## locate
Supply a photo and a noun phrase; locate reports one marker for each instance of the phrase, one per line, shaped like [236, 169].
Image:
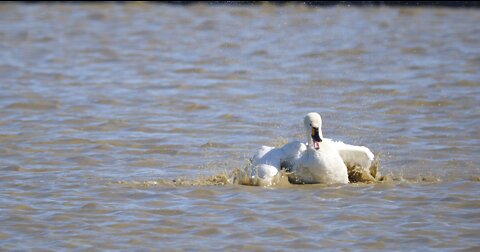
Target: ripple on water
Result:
[166, 212]
[414, 50]
[195, 107]
[35, 105]
[84, 161]
[166, 230]
[468, 83]
[24, 208]
[215, 145]
[192, 70]
[208, 232]
[147, 162]
[425, 103]
[202, 193]
[351, 52]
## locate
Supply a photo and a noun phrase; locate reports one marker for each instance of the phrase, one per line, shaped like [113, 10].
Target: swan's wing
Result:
[260, 153]
[355, 155]
[268, 155]
[292, 152]
[265, 164]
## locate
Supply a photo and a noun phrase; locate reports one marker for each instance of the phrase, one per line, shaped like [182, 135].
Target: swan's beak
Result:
[316, 138]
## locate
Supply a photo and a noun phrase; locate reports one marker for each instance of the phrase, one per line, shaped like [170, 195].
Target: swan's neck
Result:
[309, 139]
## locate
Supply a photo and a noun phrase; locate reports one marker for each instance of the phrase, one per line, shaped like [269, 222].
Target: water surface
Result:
[122, 124]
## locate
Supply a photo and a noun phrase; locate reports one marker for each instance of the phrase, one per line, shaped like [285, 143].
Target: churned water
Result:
[122, 126]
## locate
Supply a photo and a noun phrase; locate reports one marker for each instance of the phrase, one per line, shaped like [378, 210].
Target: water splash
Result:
[241, 176]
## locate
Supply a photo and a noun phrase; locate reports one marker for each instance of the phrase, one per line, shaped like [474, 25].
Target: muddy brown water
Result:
[122, 124]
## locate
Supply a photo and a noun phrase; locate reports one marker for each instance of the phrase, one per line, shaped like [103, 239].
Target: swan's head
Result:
[313, 128]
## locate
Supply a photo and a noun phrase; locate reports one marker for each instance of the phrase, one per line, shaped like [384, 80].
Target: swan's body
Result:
[319, 160]
[323, 165]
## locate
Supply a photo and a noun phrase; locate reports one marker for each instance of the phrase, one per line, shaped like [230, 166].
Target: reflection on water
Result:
[123, 124]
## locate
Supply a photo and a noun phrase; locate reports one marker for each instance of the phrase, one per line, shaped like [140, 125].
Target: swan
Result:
[318, 160]
[321, 162]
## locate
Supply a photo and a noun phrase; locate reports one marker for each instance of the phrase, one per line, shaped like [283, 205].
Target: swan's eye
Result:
[310, 125]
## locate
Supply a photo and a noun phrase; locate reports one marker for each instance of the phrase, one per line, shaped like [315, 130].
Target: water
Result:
[122, 125]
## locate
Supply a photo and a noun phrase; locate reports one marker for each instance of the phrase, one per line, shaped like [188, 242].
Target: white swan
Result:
[320, 160]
